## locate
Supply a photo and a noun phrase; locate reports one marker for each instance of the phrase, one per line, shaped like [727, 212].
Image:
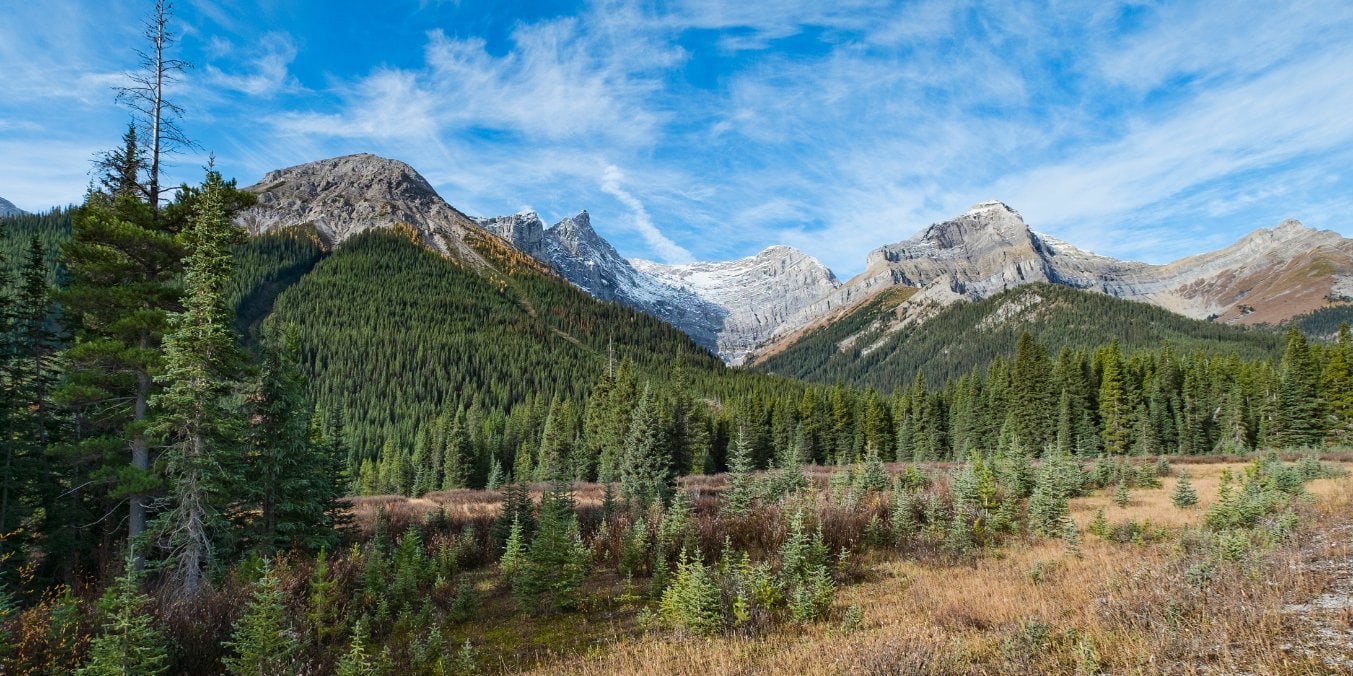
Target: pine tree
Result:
[262, 642]
[1113, 405]
[122, 265]
[201, 368]
[1298, 422]
[557, 561]
[1184, 494]
[644, 478]
[127, 642]
[741, 488]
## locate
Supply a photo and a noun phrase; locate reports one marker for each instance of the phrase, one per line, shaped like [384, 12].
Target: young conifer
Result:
[1184, 494]
[262, 643]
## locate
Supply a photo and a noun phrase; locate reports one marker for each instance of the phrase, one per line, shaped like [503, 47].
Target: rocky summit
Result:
[345, 196]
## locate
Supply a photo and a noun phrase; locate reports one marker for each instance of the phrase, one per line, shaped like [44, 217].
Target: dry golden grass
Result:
[1124, 604]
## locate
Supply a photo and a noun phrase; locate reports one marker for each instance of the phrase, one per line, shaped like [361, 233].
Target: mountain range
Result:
[745, 309]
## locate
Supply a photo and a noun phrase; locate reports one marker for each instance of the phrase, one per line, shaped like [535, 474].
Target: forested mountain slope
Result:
[883, 343]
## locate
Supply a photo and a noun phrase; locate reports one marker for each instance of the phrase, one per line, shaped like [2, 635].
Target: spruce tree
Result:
[557, 562]
[1184, 494]
[1336, 386]
[1121, 497]
[693, 601]
[741, 489]
[262, 643]
[1048, 502]
[644, 478]
[286, 481]
[198, 416]
[1113, 405]
[1299, 420]
[127, 642]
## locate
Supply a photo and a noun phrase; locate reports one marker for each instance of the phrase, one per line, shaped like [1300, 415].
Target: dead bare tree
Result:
[157, 116]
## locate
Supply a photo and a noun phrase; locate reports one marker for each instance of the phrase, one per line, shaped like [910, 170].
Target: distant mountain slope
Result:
[756, 295]
[881, 344]
[7, 208]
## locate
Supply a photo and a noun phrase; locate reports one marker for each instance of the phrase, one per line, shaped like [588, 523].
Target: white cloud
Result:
[267, 76]
[667, 250]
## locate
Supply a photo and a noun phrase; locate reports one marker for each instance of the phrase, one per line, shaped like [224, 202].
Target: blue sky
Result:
[709, 130]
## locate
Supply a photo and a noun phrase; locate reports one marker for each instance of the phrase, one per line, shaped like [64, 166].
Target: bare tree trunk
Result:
[136, 520]
[157, 102]
[193, 521]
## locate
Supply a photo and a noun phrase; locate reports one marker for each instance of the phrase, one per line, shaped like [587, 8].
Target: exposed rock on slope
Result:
[7, 208]
[758, 294]
[587, 260]
[345, 196]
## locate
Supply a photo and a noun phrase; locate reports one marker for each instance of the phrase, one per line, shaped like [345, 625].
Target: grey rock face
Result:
[7, 208]
[587, 260]
[758, 294]
[346, 196]
[524, 231]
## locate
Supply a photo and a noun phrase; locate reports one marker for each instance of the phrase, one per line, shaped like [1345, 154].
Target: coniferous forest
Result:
[268, 455]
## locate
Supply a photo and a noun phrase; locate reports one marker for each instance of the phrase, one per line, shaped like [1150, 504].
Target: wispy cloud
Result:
[266, 73]
[667, 250]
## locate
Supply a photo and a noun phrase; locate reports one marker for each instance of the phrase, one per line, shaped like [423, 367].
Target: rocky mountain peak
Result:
[7, 208]
[523, 230]
[345, 196]
[986, 223]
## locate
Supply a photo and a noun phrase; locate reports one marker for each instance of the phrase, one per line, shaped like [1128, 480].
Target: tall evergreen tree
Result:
[1337, 388]
[1298, 420]
[198, 415]
[122, 267]
[1114, 413]
[644, 477]
[556, 562]
[287, 490]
